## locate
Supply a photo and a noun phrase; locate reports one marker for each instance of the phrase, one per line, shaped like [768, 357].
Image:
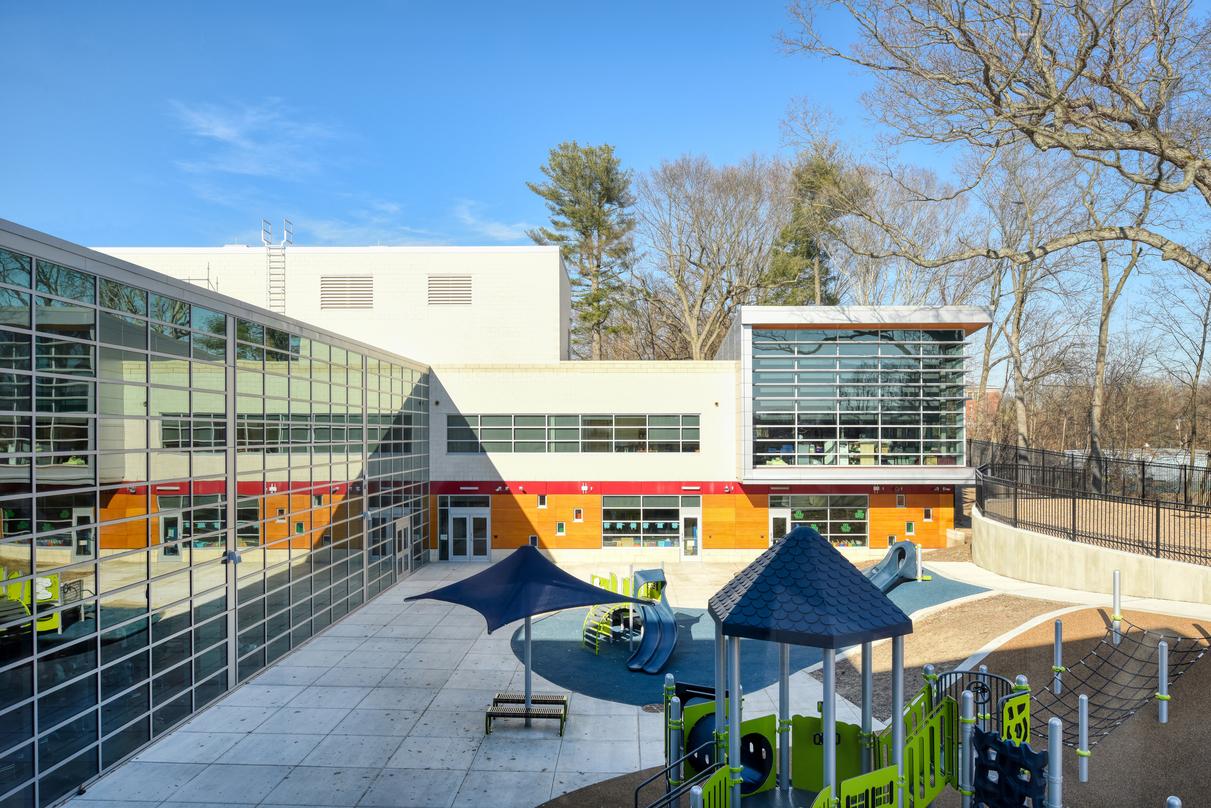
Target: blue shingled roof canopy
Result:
[802, 591]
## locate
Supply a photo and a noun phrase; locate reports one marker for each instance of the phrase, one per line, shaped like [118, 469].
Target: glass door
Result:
[779, 523]
[691, 542]
[469, 535]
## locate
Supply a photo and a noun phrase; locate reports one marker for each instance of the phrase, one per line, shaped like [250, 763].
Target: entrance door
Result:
[779, 523]
[691, 541]
[469, 535]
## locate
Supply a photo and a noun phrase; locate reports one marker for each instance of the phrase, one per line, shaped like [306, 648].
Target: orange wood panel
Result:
[735, 521]
[516, 517]
[887, 520]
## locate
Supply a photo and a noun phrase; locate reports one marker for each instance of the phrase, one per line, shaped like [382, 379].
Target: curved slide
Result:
[659, 627]
[897, 567]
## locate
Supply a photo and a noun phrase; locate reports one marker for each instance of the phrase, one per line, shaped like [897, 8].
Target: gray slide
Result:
[897, 567]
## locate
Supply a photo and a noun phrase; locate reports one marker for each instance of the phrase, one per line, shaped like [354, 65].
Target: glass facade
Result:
[858, 397]
[645, 521]
[185, 495]
[476, 434]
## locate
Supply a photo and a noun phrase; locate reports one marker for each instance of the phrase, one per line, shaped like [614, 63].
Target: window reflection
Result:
[114, 598]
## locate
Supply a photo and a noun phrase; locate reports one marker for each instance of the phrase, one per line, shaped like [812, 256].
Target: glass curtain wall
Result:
[858, 398]
[184, 496]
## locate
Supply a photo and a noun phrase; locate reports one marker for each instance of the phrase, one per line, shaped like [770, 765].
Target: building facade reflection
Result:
[189, 487]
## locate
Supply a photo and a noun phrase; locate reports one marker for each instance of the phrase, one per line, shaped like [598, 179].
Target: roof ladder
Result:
[275, 264]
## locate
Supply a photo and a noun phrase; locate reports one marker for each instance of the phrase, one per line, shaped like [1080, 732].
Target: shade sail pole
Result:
[529, 696]
[733, 735]
[830, 720]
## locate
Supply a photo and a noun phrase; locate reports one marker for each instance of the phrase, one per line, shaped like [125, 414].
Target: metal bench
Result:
[550, 711]
[511, 697]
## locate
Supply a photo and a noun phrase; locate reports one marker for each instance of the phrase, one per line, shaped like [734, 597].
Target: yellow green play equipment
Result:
[653, 622]
[30, 596]
[803, 592]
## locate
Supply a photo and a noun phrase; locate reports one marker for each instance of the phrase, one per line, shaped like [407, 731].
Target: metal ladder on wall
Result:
[275, 264]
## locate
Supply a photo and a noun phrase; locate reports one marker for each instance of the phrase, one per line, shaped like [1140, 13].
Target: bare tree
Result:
[1116, 263]
[1180, 314]
[1121, 84]
[709, 234]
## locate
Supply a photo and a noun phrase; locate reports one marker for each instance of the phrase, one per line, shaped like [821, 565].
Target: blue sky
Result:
[370, 122]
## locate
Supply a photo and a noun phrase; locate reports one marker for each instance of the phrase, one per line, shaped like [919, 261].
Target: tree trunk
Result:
[816, 276]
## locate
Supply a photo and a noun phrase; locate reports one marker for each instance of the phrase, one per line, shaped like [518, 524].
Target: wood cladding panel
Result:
[887, 520]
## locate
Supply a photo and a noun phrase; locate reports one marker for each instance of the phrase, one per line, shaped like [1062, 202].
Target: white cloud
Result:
[265, 140]
[378, 222]
[466, 212]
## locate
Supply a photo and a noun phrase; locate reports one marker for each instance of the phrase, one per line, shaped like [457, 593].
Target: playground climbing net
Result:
[1119, 678]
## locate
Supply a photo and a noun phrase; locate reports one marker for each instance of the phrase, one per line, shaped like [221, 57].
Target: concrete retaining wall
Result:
[1038, 558]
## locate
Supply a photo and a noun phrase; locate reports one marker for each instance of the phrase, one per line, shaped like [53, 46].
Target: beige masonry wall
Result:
[1035, 557]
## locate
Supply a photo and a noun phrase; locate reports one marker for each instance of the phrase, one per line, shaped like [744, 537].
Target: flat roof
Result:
[968, 318]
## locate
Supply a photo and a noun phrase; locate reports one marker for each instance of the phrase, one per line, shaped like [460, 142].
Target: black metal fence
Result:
[1047, 501]
[1136, 478]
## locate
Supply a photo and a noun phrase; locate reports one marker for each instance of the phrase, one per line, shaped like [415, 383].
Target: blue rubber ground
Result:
[560, 658]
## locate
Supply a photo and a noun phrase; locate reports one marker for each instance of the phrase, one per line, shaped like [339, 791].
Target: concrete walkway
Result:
[386, 708]
[970, 573]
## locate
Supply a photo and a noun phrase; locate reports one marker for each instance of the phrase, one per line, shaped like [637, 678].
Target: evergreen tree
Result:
[800, 272]
[589, 197]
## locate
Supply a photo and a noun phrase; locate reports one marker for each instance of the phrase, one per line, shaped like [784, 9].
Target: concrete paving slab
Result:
[316, 785]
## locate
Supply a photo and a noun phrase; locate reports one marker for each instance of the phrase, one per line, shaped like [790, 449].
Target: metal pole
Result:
[868, 708]
[696, 797]
[983, 719]
[1057, 659]
[897, 714]
[529, 669]
[967, 722]
[1055, 764]
[784, 716]
[1162, 682]
[829, 730]
[720, 690]
[675, 726]
[1082, 744]
[1173, 802]
[733, 735]
[631, 614]
[1116, 608]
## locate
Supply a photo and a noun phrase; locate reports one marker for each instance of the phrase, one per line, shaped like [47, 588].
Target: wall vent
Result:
[346, 291]
[449, 290]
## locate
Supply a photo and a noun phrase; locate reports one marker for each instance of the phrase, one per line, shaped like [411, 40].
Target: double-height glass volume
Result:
[841, 397]
[187, 491]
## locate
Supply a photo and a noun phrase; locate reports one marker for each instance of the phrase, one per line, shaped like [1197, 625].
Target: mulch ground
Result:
[618, 792]
[945, 639]
[1141, 762]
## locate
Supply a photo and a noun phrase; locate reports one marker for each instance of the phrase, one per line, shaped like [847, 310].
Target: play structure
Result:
[652, 622]
[901, 564]
[969, 730]
[655, 625]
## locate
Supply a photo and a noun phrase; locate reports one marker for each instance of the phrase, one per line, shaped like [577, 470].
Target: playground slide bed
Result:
[944, 638]
[1141, 762]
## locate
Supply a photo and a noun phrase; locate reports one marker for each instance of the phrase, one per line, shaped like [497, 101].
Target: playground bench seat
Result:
[553, 712]
[512, 697]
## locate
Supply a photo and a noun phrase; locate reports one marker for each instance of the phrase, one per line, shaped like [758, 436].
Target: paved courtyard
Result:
[386, 708]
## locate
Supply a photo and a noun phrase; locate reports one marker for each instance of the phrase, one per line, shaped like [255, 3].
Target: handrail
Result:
[678, 762]
[684, 788]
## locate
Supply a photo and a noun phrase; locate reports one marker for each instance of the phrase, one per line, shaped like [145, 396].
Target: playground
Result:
[1005, 705]
[387, 707]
